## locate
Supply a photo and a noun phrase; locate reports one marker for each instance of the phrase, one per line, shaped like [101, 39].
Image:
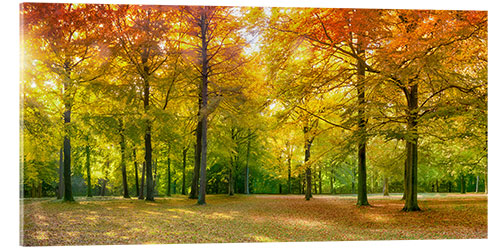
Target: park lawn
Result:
[253, 218]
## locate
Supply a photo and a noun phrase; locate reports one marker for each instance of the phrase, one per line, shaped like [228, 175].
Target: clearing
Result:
[253, 218]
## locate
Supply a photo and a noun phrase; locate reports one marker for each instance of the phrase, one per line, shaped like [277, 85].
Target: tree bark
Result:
[486, 182]
[230, 183]
[360, 86]
[147, 141]
[155, 177]
[122, 160]
[193, 194]
[412, 154]
[301, 190]
[68, 194]
[141, 193]
[184, 154]
[60, 192]
[169, 176]
[386, 186]
[87, 167]
[308, 168]
[462, 184]
[477, 183]
[204, 110]
[136, 173]
[289, 173]
[247, 170]
[405, 177]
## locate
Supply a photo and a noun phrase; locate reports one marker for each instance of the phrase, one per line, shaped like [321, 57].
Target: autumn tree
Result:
[214, 51]
[68, 36]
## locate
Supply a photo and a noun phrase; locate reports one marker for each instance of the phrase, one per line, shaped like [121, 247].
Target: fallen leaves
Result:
[254, 218]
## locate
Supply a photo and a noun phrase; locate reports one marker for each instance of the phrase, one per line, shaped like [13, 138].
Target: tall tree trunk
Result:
[477, 183]
[195, 182]
[437, 186]
[405, 177]
[360, 86]
[247, 170]
[462, 184]
[87, 167]
[308, 168]
[103, 187]
[289, 174]
[136, 173]
[141, 193]
[68, 194]
[230, 183]
[122, 160]
[155, 168]
[169, 176]
[386, 186]
[147, 138]
[60, 192]
[300, 184]
[204, 110]
[412, 154]
[184, 154]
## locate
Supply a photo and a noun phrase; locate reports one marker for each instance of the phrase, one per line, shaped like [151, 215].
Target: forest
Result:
[180, 102]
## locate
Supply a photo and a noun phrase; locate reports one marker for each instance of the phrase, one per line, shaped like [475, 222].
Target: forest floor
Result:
[253, 218]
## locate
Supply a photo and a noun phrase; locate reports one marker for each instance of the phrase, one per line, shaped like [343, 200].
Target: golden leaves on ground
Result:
[255, 218]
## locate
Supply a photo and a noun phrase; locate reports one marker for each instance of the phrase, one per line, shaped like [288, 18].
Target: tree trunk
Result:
[230, 183]
[247, 170]
[437, 186]
[122, 160]
[477, 183]
[136, 173]
[184, 153]
[169, 177]
[204, 110]
[386, 186]
[360, 86]
[155, 168]
[308, 168]
[60, 192]
[87, 167]
[405, 177]
[462, 184]
[301, 190]
[68, 194]
[141, 193]
[289, 174]
[193, 194]
[147, 139]
[412, 154]
[486, 182]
